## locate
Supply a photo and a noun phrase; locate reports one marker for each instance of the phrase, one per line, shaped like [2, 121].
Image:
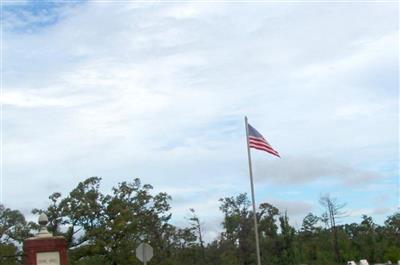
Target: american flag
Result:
[257, 141]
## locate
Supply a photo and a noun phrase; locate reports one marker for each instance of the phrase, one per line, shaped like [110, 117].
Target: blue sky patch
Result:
[34, 15]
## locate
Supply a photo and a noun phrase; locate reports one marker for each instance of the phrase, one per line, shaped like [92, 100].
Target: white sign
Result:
[144, 252]
[48, 258]
[364, 262]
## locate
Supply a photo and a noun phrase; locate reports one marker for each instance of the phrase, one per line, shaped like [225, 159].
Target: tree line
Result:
[105, 229]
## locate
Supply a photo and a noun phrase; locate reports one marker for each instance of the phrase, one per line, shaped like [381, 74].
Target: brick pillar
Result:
[44, 248]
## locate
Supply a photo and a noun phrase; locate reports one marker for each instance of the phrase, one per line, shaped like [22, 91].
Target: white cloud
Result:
[293, 208]
[303, 170]
[377, 212]
[159, 91]
[192, 10]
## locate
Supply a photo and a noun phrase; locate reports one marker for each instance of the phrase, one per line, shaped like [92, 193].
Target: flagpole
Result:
[252, 193]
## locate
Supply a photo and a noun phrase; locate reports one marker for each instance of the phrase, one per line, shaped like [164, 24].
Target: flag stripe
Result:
[260, 142]
[257, 141]
[262, 145]
[265, 148]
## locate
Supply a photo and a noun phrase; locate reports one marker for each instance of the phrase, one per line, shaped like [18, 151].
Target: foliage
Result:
[105, 229]
[13, 230]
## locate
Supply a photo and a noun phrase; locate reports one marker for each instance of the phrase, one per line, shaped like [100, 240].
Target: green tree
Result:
[392, 234]
[238, 227]
[307, 239]
[197, 227]
[105, 229]
[267, 217]
[13, 230]
[309, 225]
[109, 227]
[238, 236]
[333, 212]
[287, 239]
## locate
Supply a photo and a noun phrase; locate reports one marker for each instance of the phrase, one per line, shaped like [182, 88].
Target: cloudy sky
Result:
[160, 90]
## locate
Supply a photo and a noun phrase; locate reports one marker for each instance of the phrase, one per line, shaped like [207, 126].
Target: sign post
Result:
[144, 252]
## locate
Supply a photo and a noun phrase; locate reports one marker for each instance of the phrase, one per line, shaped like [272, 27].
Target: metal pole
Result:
[252, 193]
[144, 255]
